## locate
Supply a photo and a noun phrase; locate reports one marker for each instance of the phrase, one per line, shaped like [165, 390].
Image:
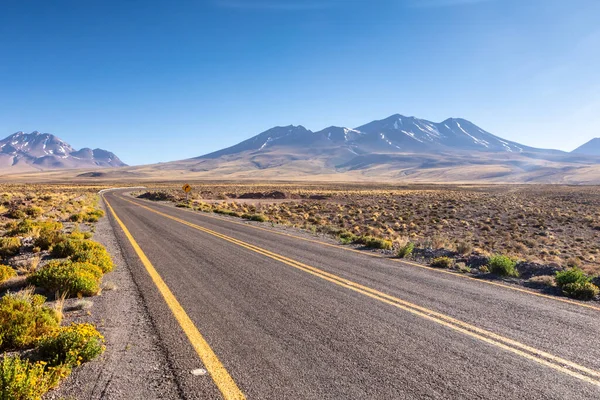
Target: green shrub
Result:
[255, 217]
[68, 278]
[503, 265]
[84, 251]
[6, 273]
[23, 227]
[50, 234]
[571, 275]
[581, 291]
[442, 262]
[93, 216]
[78, 217]
[9, 246]
[375, 243]
[24, 320]
[21, 379]
[15, 213]
[406, 250]
[347, 237]
[33, 211]
[225, 211]
[576, 284]
[72, 345]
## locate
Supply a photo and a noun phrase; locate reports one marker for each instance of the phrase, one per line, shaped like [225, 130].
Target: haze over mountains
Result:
[42, 151]
[590, 148]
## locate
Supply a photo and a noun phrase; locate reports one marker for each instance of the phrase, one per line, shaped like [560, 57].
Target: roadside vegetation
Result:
[46, 257]
[524, 234]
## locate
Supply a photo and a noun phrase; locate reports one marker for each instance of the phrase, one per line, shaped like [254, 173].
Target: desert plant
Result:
[72, 345]
[464, 248]
[406, 250]
[33, 211]
[24, 320]
[9, 246]
[571, 275]
[581, 291]
[84, 251]
[255, 217]
[503, 265]
[442, 262]
[68, 278]
[374, 243]
[6, 273]
[346, 237]
[21, 379]
[50, 233]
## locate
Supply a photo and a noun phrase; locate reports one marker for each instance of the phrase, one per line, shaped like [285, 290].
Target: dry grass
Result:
[545, 224]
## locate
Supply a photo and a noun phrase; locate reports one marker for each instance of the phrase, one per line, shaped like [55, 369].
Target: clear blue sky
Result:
[161, 80]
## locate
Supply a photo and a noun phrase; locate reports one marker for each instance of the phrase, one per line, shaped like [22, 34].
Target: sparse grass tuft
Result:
[375, 243]
[442, 262]
[9, 246]
[406, 250]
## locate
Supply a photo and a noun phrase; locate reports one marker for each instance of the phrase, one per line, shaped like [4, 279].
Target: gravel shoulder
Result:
[135, 365]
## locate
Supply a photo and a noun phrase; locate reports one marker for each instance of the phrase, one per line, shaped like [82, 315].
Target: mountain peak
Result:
[591, 148]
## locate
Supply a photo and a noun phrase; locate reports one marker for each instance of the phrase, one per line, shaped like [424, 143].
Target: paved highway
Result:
[272, 316]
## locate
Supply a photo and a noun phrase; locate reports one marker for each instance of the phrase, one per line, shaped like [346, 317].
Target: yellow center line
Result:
[403, 262]
[502, 342]
[215, 368]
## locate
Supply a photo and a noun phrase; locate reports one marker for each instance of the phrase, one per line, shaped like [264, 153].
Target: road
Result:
[272, 316]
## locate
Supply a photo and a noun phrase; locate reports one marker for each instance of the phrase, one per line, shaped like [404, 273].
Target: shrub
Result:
[406, 250]
[20, 379]
[581, 291]
[225, 211]
[15, 213]
[24, 320]
[375, 243]
[442, 262]
[576, 284]
[6, 273]
[9, 246]
[484, 269]
[78, 217]
[93, 216]
[68, 278]
[347, 237]
[72, 345]
[23, 227]
[571, 275]
[255, 217]
[503, 265]
[50, 233]
[33, 211]
[84, 251]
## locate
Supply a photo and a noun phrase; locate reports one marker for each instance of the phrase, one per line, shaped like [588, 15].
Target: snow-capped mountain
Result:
[591, 148]
[395, 134]
[37, 150]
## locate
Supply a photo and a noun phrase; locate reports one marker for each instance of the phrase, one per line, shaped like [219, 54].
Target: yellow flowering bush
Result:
[68, 277]
[24, 319]
[84, 251]
[6, 273]
[72, 345]
[20, 379]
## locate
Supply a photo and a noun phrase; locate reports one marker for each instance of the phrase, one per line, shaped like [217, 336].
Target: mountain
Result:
[591, 148]
[395, 134]
[40, 151]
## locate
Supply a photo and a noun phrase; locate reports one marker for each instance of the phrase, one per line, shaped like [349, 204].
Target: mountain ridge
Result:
[42, 151]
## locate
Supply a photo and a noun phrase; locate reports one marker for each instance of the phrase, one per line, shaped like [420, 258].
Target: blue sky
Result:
[165, 80]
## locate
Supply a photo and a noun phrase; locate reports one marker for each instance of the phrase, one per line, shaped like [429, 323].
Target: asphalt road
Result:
[285, 318]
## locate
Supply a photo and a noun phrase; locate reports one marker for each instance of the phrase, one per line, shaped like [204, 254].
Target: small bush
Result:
[571, 275]
[78, 217]
[9, 246]
[503, 266]
[442, 262]
[6, 273]
[255, 217]
[484, 269]
[93, 216]
[24, 320]
[15, 213]
[68, 278]
[23, 227]
[72, 345]
[33, 211]
[375, 243]
[84, 251]
[576, 284]
[183, 205]
[581, 291]
[50, 233]
[20, 379]
[406, 250]
[347, 237]
[225, 211]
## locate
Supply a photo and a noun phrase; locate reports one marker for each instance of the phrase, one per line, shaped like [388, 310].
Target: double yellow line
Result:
[549, 360]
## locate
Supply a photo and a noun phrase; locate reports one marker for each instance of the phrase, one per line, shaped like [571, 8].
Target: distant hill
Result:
[396, 148]
[42, 151]
[591, 148]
